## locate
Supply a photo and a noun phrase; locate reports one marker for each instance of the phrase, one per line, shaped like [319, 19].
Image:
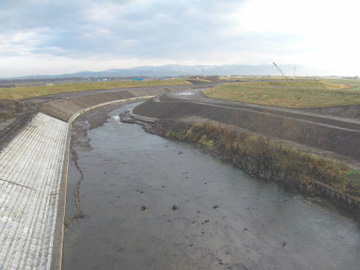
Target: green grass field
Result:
[292, 94]
[34, 91]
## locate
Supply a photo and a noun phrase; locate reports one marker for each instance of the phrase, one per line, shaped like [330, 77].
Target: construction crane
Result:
[281, 71]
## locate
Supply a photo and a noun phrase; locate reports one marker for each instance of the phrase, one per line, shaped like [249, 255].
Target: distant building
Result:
[138, 79]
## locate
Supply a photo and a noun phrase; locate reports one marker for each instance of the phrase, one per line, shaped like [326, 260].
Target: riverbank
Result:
[268, 159]
[333, 134]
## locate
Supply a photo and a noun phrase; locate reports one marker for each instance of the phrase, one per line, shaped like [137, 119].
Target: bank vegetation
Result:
[270, 159]
[35, 91]
[291, 94]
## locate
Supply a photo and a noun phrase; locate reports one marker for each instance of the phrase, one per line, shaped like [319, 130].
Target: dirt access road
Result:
[336, 134]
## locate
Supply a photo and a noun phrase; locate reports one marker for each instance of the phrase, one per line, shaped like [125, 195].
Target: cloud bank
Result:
[48, 37]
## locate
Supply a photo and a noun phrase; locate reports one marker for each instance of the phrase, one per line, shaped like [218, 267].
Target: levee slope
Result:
[30, 175]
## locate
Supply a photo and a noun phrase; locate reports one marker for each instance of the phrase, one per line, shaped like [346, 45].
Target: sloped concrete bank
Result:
[30, 176]
[11, 130]
[66, 107]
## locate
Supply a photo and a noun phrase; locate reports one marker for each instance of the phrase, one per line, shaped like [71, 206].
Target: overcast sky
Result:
[65, 36]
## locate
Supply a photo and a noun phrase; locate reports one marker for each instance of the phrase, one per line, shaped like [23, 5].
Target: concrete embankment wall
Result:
[30, 176]
[316, 134]
[66, 108]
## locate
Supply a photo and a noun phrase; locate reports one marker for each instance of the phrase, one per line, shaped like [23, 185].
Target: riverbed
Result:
[151, 203]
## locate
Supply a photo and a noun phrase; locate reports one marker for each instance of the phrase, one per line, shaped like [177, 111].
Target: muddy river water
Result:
[151, 203]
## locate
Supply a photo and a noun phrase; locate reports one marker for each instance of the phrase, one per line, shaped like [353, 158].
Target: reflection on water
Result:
[223, 219]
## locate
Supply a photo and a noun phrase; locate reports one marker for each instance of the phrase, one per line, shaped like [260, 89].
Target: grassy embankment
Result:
[292, 94]
[270, 159]
[34, 91]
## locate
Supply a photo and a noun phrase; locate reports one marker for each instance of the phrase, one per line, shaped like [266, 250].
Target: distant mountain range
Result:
[182, 70]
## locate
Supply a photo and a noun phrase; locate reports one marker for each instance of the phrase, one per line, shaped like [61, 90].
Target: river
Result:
[151, 203]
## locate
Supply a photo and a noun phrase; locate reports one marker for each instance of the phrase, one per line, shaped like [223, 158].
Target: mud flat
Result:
[159, 204]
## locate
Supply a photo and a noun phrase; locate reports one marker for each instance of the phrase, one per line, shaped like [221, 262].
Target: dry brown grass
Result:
[294, 165]
[34, 91]
[293, 94]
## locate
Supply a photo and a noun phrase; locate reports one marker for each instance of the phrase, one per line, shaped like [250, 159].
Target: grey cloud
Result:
[153, 29]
